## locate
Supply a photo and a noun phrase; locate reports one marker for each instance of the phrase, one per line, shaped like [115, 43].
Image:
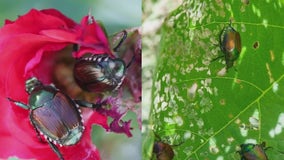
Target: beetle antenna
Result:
[17, 103]
[10, 99]
[281, 152]
[157, 137]
[230, 23]
[119, 44]
[75, 47]
[176, 145]
[89, 105]
[132, 59]
[121, 41]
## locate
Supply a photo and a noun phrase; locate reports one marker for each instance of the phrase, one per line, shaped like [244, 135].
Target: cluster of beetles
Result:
[230, 45]
[57, 117]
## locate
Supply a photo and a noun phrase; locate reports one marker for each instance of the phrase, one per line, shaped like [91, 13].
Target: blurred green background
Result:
[116, 16]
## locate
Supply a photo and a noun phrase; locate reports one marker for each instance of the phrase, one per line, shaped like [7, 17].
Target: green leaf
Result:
[195, 101]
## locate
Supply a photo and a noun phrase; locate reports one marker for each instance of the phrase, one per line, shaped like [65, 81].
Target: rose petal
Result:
[28, 47]
[33, 22]
[69, 22]
[26, 52]
[92, 32]
[13, 78]
[116, 112]
[95, 118]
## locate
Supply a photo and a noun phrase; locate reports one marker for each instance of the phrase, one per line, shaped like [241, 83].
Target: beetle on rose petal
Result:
[100, 72]
[54, 114]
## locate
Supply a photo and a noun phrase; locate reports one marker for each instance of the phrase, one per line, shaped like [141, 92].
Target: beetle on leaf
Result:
[230, 45]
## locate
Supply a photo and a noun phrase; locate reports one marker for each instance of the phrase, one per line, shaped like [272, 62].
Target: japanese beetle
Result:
[230, 45]
[163, 151]
[251, 151]
[54, 114]
[100, 72]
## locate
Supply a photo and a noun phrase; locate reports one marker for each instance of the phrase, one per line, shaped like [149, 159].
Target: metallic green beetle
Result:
[251, 151]
[230, 45]
[54, 114]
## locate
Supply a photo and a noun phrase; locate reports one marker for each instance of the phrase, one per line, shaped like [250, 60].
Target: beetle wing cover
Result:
[238, 42]
[99, 76]
[163, 151]
[57, 117]
[88, 71]
[254, 152]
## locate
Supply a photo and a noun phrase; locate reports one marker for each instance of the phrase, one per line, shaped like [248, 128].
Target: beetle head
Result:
[31, 84]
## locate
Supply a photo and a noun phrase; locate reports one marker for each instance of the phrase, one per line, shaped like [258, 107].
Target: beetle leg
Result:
[176, 145]
[236, 70]
[75, 47]
[263, 144]
[53, 86]
[132, 59]
[119, 44]
[20, 104]
[87, 104]
[121, 41]
[56, 150]
[217, 58]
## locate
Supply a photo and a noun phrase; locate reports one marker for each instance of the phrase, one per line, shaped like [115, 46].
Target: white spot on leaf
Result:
[275, 87]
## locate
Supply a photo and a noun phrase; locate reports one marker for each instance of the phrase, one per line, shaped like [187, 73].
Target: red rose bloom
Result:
[30, 47]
